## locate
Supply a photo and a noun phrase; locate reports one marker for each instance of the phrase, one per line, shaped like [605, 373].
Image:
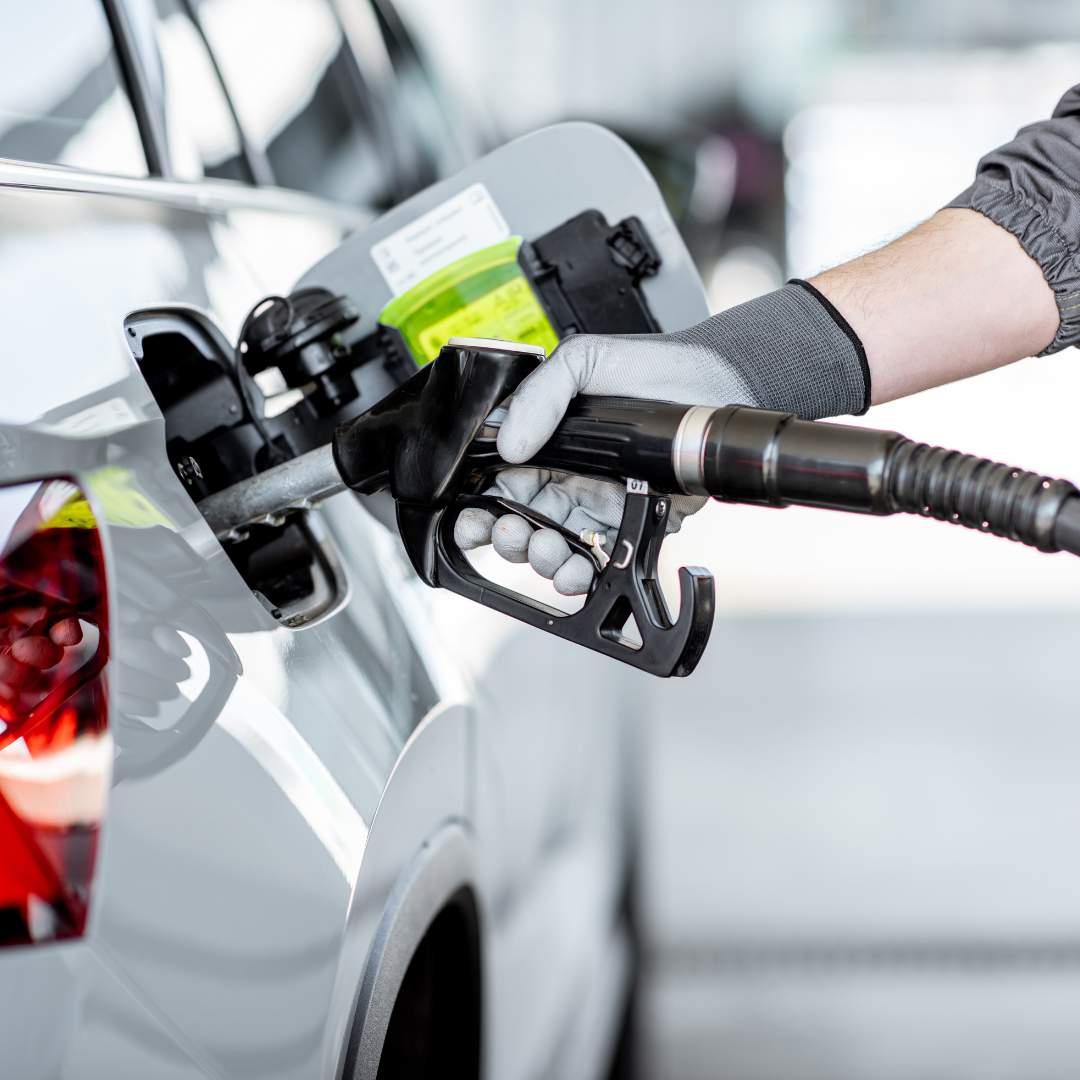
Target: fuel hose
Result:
[433, 443]
[734, 454]
[766, 458]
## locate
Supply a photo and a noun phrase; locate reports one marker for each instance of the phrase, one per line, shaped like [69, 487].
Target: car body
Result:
[395, 831]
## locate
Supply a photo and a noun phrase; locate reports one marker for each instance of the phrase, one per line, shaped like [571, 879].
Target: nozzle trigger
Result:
[625, 587]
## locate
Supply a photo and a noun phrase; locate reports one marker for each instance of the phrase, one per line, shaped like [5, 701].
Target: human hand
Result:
[784, 350]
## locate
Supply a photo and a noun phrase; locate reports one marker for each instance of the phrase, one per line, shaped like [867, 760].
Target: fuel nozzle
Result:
[432, 443]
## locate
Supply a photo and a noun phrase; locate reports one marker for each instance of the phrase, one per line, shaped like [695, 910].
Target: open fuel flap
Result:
[560, 232]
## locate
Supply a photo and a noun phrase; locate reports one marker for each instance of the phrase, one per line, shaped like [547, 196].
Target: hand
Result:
[579, 503]
[674, 367]
[783, 351]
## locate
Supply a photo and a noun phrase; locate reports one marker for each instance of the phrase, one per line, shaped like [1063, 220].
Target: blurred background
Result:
[861, 817]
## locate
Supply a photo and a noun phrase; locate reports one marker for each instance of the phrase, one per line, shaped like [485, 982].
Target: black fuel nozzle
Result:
[430, 442]
[440, 455]
[416, 439]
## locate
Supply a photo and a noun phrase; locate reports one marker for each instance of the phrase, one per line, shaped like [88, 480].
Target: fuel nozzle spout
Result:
[413, 442]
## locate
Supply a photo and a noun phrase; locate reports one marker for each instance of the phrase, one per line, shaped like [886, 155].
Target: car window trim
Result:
[257, 162]
[205, 196]
[149, 120]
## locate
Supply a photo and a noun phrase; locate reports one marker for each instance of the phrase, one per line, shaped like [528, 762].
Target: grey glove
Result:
[788, 350]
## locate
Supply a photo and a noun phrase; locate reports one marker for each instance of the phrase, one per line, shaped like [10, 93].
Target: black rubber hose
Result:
[1067, 526]
[977, 493]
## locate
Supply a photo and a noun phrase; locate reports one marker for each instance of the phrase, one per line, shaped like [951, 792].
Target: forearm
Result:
[993, 278]
[954, 297]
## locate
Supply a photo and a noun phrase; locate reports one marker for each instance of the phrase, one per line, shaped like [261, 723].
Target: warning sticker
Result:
[461, 225]
[510, 312]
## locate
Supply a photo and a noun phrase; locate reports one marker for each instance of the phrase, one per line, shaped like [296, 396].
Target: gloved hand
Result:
[787, 350]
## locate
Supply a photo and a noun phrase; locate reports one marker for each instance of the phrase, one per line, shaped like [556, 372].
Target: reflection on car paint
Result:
[55, 748]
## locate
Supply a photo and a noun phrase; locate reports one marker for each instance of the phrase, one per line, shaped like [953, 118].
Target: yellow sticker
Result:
[74, 514]
[120, 501]
[510, 311]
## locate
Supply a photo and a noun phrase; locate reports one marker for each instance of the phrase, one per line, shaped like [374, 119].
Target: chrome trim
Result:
[497, 343]
[627, 556]
[265, 499]
[204, 195]
[688, 449]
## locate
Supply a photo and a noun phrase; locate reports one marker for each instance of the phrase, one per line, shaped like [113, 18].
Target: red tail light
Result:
[55, 752]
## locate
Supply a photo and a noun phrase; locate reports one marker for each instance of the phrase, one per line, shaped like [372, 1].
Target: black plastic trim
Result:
[439, 877]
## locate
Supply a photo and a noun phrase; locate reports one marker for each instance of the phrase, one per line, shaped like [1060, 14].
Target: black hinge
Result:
[632, 249]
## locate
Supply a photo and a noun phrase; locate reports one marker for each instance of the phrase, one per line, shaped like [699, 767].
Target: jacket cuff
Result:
[1043, 240]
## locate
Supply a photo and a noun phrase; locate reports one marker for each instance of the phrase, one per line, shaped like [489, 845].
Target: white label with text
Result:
[458, 227]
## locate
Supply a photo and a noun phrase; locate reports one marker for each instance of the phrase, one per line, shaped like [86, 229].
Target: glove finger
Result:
[510, 538]
[580, 520]
[574, 576]
[473, 528]
[539, 403]
[521, 485]
[604, 502]
[548, 550]
[601, 499]
[550, 554]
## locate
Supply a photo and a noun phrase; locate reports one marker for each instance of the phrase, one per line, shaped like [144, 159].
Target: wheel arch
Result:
[433, 907]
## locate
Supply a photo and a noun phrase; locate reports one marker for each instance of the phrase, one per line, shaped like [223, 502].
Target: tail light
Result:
[55, 751]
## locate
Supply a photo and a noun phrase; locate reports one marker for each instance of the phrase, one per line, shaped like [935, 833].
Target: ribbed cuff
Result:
[1043, 240]
[794, 351]
[849, 333]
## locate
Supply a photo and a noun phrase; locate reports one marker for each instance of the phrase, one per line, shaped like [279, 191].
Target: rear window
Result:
[62, 98]
[299, 94]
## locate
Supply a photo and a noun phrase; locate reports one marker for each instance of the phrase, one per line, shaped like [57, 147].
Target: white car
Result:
[278, 812]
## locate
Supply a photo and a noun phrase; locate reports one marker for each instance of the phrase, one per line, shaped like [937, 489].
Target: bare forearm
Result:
[954, 297]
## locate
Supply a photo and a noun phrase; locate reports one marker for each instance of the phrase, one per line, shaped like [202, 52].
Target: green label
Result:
[510, 311]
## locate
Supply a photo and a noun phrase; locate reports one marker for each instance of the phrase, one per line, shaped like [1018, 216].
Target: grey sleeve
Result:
[1031, 186]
